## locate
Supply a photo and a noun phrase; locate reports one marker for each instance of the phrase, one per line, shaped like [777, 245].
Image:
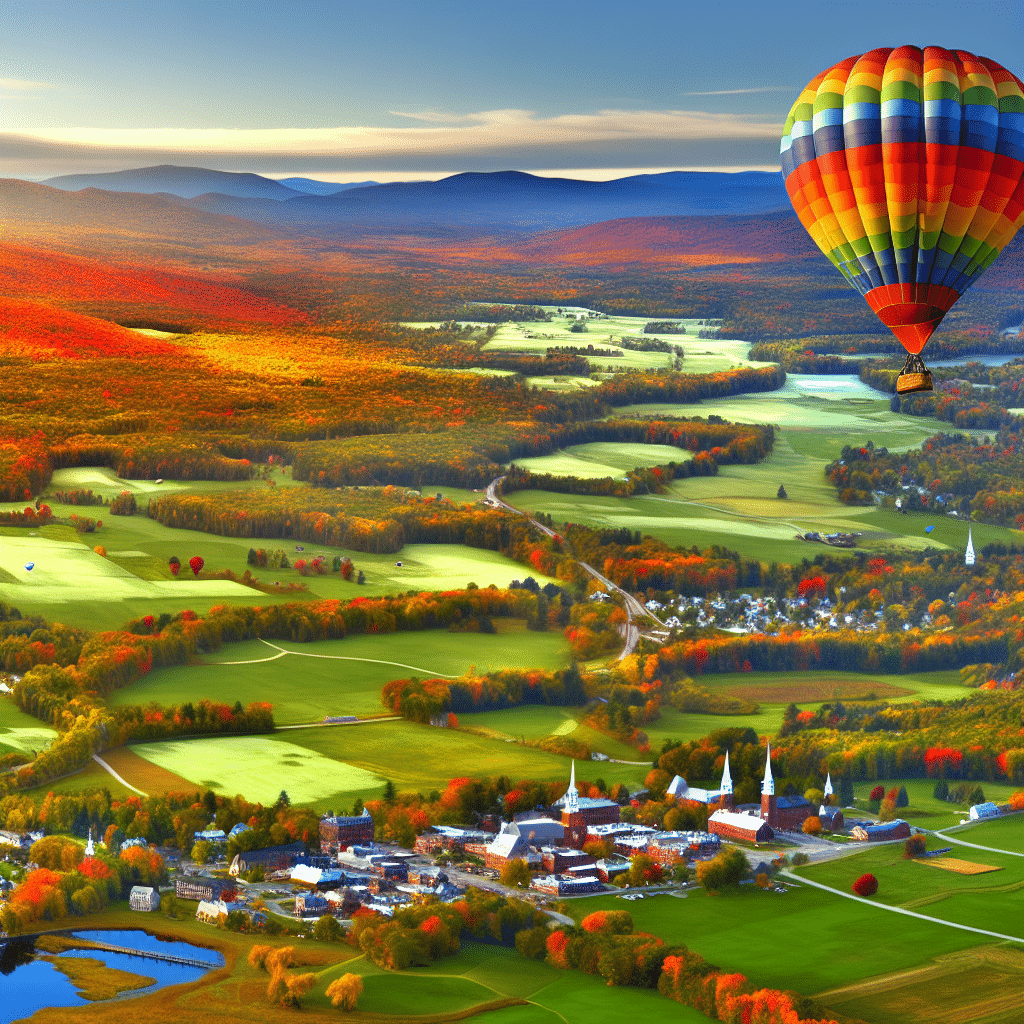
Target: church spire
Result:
[572, 795]
[969, 554]
[828, 791]
[726, 786]
[768, 785]
[90, 849]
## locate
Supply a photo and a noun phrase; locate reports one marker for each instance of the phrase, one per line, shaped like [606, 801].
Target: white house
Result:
[142, 897]
[985, 810]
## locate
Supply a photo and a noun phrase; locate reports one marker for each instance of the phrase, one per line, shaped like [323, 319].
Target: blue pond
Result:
[27, 985]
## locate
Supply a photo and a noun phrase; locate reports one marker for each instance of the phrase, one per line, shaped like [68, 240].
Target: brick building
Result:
[881, 833]
[557, 860]
[786, 812]
[566, 885]
[509, 844]
[579, 812]
[339, 833]
[747, 827]
[270, 858]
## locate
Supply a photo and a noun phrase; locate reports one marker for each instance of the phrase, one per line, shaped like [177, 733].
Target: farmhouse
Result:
[143, 897]
[201, 887]
[339, 832]
[898, 829]
[985, 810]
[578, 812]
[747, 827]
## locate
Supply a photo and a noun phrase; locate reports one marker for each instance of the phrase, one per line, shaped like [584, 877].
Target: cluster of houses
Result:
[749, 614]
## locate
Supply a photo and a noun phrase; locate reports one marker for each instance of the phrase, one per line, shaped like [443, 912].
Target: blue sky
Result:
[391, 89]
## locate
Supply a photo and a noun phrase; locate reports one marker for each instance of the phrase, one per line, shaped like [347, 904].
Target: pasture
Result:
[258, 767]
[20, 732]
[1003, 833]
[993, 901]
[69, 582]
[601, 459]
[342, 677]
[829, 940]
[928, 812]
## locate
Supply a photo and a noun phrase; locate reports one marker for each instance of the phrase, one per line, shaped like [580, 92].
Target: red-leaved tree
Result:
[866, 885]
[196, 563]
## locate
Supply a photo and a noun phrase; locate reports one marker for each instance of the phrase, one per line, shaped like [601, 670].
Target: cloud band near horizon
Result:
[487, 140]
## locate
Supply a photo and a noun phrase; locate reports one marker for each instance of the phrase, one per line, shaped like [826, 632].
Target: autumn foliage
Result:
[866, 885]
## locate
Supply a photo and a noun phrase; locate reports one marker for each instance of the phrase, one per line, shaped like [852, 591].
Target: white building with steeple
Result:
[969, 553]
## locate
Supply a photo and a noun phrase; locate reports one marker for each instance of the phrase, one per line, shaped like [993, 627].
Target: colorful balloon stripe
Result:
[906, 167]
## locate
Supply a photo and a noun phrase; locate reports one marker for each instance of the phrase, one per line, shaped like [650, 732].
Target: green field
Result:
[603, 458]
[993, 901]
[1002, 833]
[926, 811]
[342, 677]
[19, 731]
[828, 940]
[481, 973]
[259, 767]
[70, 583]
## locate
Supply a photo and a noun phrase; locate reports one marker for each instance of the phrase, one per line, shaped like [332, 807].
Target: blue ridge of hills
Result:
[513, 201]
[321, 188]
[479, 202]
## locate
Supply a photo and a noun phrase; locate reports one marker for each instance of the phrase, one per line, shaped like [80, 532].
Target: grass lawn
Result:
[309, 684]
[993, 900]
[1001, 833]
[21, 732]
[928, 812]
[70, 583]
[603, 458]
[259, 767]
[828, 941]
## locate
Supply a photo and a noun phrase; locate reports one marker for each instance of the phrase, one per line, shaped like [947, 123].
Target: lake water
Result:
[27, 985]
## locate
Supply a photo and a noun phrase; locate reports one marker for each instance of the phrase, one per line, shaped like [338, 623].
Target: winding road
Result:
[632, 606]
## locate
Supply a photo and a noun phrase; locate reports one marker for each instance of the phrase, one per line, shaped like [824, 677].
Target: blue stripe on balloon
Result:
[943, 131]
[942, 261]
[829, 139]
[862, 133]
[887, 266]
[803, 150]
[860, 112]
[925, 263]
[906, 264]
[901, 108]
[801, 128]
[901, 129]
[942, 108]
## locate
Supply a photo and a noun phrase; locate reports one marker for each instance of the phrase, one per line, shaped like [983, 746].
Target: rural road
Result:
[632, 605]
[106, 767]
[801, 880]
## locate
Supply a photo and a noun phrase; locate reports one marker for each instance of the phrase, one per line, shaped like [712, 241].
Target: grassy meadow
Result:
[21, 732]
[342, 677]
[601, 459]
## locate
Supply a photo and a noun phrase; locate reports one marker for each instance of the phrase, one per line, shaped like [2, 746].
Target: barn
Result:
[881, 833]
[985, 810]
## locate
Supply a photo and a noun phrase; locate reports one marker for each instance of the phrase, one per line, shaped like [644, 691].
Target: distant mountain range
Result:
[505, 202]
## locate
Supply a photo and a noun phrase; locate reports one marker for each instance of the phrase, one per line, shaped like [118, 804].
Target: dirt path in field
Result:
[340, 657]
[801, 879]
[106, 767]
[974, 846]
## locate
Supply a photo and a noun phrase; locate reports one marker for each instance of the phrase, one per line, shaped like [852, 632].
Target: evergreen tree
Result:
[902, 798]
[941, 791]
[782, 491]
[846, 789]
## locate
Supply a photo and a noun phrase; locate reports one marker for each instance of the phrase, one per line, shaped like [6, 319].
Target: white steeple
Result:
[572, 795]
[827, 791]
[969, 554]
[90, 850]
[768, 785]
[726, 786]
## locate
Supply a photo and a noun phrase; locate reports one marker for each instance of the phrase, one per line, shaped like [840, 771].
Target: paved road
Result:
[801, 880]
[632, 606]
[947, 838]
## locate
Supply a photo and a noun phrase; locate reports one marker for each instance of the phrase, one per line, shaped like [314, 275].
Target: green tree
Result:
[327, 929]
[781, 493]
[727, 868]
[201, 851]
[516, 872]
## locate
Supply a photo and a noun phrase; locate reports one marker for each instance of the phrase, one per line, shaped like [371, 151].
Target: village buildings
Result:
[340, 832]
[143, 898]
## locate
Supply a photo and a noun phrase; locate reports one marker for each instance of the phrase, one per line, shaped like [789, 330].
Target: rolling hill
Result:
[186, 182]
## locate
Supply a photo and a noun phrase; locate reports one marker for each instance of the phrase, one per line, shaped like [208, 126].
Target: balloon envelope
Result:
[928, 529]
[29, 566]
[905, 166]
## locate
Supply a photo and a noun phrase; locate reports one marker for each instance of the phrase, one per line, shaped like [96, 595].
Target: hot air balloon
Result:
[905, 166]
[29, 566]
[928, 529]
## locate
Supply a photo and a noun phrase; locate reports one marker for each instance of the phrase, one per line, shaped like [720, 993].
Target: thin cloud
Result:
[740, 92]
[477, 132]
[21, 85]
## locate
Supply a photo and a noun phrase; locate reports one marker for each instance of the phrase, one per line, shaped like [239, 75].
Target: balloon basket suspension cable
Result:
[914, 376]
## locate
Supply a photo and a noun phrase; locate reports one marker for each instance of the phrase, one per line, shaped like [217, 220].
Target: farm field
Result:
[482, 973]
[739, 509]
[21, 732]
[420, 758]
[814, 688]
[830, 941]
[1003, 833]
[926, 811]
[603, 458]
[342, 677]
[72, 584]
[993, 901]
[259, 767]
